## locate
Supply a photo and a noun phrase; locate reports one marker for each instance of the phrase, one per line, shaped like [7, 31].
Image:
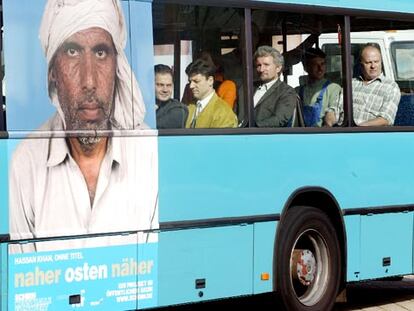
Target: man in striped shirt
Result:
[375, 97]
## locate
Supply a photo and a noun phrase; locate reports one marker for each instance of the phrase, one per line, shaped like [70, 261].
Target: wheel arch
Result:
[324, 200]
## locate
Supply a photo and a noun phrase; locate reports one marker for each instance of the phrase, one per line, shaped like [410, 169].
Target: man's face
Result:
[371, 63]
[316, 68]
[200, 85]
[84, 72]
[163, 86]
[267, 69]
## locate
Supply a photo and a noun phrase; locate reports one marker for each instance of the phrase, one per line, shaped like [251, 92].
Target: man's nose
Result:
[88, 72]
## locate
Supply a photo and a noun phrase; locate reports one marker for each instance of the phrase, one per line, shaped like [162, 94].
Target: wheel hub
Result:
[303, 266]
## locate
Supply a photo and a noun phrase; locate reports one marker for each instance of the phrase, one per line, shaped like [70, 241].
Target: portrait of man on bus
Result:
[94, 170]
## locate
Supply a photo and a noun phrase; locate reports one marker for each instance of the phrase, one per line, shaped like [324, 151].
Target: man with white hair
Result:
[86, 179]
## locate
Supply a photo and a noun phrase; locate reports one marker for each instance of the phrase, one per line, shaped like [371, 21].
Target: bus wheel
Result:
[308, 260]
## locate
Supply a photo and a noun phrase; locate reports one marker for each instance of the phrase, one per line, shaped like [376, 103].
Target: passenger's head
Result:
[163, 82]
[371, 61]
[314, 64]
[269, 63]
[201, 78]
[89, 77]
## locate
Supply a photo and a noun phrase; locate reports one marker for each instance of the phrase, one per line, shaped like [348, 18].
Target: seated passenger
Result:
[225, 89]
[375, 97]
[274, 100]
[317, 93]
[169, 111]
[209, 110]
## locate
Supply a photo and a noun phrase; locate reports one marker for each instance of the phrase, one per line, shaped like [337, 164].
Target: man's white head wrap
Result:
[63, 18]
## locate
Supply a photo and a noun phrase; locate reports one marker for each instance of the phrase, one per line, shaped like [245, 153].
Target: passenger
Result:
[232, 64]
[225, 89]
[317, 93]
[210, 111]
[170, 112]
[274, 100]
[375, 97]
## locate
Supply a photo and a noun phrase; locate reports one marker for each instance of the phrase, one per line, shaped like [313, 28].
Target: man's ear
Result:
[51, 76]
[210, 79]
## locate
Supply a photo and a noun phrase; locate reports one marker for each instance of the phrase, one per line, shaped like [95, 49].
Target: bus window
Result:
[382, 68]
[308, 71]
[185, 33]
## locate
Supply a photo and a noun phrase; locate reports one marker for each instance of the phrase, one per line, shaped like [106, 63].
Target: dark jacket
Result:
[275, 108]
[171, 114]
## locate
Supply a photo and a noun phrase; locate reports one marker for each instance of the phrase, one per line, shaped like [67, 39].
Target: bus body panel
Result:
[202, 172]
[386, 5]
[353, 250]
[4, 188]
[386, 245]
[218, 257]
[263, 255]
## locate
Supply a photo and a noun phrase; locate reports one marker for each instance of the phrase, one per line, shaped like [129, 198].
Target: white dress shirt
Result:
[261, 90]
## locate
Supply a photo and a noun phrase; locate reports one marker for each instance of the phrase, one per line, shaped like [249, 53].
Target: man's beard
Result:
[88, 142]
[74, 122]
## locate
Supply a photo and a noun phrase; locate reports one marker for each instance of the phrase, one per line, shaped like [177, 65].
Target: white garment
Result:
[49, 195]
[261, 90]
[63, 18]
[203, 102]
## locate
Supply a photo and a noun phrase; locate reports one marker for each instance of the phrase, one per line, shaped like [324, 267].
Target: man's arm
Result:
[389, 107]
[334, 101]
[224, 117]
[294, 56]
[379, 121]
[175, 118]
[329, 120]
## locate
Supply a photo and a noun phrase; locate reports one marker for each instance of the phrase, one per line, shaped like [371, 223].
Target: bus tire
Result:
[308, 260]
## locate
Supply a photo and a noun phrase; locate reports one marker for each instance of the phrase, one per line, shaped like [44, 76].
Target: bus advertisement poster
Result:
[109, 278]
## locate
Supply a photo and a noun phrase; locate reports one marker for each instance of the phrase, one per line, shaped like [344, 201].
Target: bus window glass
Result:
[383, 72]
[309, 71]
[188, 38]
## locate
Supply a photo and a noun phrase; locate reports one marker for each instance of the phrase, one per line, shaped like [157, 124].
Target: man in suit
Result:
[209, 111]
[274, 100]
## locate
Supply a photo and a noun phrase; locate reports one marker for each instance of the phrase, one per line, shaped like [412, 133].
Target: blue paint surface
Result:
[230, 176]
[221, 256]
[4, 188]
[404, 6]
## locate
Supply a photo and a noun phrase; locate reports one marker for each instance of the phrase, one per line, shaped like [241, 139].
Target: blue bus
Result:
[101, 209]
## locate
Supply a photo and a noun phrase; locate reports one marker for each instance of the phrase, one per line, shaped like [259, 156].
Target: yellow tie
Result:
[196, 113]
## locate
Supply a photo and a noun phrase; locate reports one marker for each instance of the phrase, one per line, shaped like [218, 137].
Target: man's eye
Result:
[72, 52]
[101, 54]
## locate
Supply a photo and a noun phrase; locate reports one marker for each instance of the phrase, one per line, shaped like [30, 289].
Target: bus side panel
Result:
[142, 54]
[403, 5]
[4, 189]
[264, 241]
[122, 277]
[353, 238]
[202, 264]
[386, 245]
[3, 276]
